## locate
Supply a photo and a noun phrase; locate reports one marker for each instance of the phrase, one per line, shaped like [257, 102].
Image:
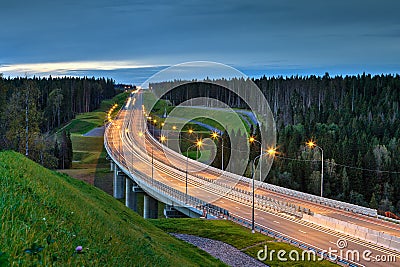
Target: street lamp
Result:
[271, 152]
[215, 135]
[312, 144]
[191, 131]
[167, 132]
[152, 164]
[163, 138]
[252, 139]
[198, 143]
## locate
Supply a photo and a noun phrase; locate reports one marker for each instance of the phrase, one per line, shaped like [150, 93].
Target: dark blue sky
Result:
[129, 40]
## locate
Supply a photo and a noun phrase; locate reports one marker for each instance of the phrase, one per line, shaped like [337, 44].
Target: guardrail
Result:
[176, 196]
[262, 202]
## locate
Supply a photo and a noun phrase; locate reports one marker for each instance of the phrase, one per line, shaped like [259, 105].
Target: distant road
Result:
[98, 131]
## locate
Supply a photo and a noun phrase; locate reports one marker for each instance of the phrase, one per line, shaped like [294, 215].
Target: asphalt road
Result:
[127, 137]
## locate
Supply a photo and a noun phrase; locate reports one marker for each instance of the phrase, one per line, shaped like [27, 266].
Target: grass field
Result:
[46, 215]
[235, 235]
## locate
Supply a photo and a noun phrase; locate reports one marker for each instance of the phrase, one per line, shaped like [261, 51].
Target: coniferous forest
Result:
[355, 119]
[30, 108]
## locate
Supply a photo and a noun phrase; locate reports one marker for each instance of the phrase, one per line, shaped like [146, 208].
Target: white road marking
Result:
[276, 222]
[302, 231]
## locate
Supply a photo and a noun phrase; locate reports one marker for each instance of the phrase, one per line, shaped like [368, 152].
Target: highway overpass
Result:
[141, 163]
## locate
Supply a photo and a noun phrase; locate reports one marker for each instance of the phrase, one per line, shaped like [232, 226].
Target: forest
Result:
[354, 119]
[32, 108]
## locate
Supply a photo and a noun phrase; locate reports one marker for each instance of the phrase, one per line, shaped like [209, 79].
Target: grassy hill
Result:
[45, 216]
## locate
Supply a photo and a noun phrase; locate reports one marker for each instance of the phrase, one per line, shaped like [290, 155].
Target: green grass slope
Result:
[45, 215]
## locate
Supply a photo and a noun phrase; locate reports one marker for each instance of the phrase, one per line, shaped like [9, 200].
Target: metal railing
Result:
[177, 197]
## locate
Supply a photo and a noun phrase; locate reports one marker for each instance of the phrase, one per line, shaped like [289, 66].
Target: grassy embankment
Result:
[46, 215]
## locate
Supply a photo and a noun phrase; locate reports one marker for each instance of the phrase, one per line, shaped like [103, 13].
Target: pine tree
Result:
[373, 203]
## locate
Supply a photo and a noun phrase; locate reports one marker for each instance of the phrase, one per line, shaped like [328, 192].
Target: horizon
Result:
[140, 75]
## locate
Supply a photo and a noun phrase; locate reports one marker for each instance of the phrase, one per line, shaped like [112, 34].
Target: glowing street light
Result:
[271, 151]
[311, 144]
[163, 138]
[174, 127]
[199, 143]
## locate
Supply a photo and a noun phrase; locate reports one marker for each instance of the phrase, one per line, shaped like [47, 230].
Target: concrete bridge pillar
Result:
[130, 194]
[112, 165]
[118, 183]
[150, 209]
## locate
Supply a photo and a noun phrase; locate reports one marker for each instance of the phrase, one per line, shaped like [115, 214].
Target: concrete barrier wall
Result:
[363, 233]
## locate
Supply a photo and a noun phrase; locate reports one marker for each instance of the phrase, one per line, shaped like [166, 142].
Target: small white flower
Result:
[44, 219]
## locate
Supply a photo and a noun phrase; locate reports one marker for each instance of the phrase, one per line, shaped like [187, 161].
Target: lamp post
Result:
[152, 164]
[168, 132]
[270, 152]
[198, 143]
[311, 144]
[215, 135]
[252, 140]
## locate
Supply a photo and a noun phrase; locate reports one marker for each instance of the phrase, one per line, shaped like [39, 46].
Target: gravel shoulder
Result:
[220, 250]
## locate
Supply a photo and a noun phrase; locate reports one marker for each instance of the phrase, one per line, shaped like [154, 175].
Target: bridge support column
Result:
[118, 183]
[130, 195]
[150, 209]
[112, 165]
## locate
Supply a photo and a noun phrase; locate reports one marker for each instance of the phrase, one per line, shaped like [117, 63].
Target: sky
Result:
[131, 40]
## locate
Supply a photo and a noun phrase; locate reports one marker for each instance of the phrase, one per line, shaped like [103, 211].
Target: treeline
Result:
[30, 108]
[355, 119]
